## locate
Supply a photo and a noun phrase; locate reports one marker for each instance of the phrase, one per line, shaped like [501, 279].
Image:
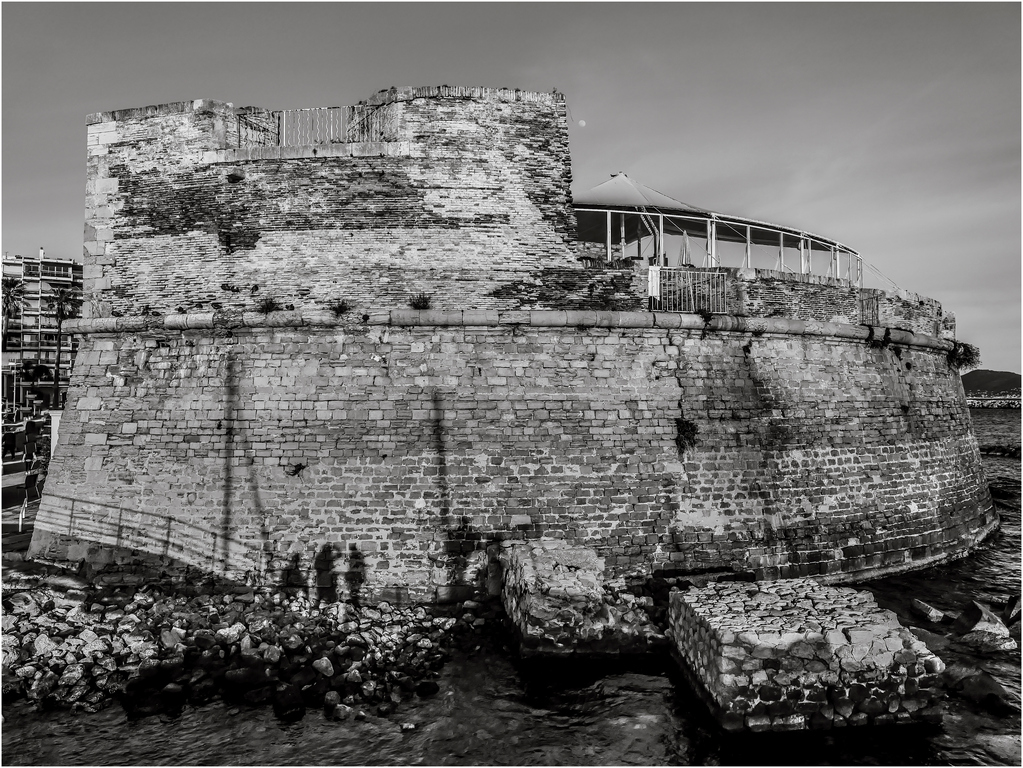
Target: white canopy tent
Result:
[635, 223]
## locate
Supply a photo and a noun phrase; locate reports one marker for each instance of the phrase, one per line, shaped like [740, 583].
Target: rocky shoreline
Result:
[84, 645]
[70, 644]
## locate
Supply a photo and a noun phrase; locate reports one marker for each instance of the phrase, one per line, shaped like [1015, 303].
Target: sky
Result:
[892, 128]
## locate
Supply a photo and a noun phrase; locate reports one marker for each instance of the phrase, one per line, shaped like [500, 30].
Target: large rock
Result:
[980, 640]
[43, 686]
[554, 595]
[976, 617]
[1012, 610]
[43, 646]
[24, 605]
[324, 667]
[980, 629]
[925, 611]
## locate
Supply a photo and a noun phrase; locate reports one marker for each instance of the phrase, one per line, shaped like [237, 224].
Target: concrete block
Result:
[756, 617]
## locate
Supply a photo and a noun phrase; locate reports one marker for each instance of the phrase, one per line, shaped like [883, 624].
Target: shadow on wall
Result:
[106, 538]
[295, 581]
[237, 445]
[461, 539]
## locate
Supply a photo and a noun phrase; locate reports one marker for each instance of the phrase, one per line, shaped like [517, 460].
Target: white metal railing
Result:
[685, 290]
[870, 309]
[258, 129]
[317, 125]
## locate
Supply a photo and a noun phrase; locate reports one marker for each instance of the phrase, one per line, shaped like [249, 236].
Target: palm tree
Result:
[14, 301]
[14, 296]
[65, 304]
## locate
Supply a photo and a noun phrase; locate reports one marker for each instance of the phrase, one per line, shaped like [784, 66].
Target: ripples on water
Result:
[490, 711]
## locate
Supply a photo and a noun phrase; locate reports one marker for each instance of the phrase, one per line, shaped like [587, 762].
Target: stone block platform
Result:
[794, 654]
[554, 594]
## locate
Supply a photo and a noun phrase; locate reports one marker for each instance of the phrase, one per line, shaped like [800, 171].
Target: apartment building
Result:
[30, 339]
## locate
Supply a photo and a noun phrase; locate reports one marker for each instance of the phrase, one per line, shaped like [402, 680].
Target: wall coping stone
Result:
[349, 149]
[492, 318]
[386, 96]
[154, 110]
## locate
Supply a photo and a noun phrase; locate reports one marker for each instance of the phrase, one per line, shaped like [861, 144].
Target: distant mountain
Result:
[985, 382]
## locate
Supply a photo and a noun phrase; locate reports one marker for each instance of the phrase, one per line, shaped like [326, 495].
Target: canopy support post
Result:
[662, 257]
[608, 243]
[781, 252]
[622, 232]
[712, 249]
[748, 261]
[802, 257]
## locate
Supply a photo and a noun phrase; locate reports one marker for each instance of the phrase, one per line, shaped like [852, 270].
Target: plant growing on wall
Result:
[963, 356]
[339, 307]
[685, 435]
[268, 304]
[419, 301]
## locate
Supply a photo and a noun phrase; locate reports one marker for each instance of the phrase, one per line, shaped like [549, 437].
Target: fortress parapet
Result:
[254, 394]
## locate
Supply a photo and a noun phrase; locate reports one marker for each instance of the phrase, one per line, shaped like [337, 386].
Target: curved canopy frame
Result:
[621, 212]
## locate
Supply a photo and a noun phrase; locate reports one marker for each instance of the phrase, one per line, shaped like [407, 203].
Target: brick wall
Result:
[765, 293]
[469, 204]
[412, 440]
[909, 311]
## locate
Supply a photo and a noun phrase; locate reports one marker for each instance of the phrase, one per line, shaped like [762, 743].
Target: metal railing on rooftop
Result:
[316, 125]
[681, 290]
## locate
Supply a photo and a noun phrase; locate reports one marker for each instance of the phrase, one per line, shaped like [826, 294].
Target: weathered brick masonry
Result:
[417, 441]
[394, 445]
[468, 203]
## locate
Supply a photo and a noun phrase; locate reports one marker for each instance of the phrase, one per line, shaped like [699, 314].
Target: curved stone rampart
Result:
[403, 443]
[394, 446]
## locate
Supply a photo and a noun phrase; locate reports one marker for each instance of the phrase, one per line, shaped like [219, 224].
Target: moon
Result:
[582, 123]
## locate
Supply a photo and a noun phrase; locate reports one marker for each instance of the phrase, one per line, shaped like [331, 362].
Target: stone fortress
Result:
[254, 396]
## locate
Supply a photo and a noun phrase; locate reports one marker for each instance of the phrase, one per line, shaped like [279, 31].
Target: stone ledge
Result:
[493, 318]
[349, 149]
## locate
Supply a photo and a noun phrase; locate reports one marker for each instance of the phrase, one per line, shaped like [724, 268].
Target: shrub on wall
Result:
[685, 435]
[268, 304]
[339, 307]
[419, 301]
[963, 356]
